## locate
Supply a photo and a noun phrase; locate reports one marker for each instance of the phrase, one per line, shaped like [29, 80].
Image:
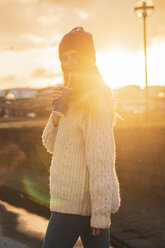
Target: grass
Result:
[15, 119]
[129, 120]
[21, 124]
[155, 119]
[143, 123]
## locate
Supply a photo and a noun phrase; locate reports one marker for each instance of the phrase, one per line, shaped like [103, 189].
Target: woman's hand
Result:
[57, 93]
[96, 231]
[56, 120]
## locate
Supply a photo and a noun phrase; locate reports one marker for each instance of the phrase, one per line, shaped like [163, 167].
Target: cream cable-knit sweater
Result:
[83, 177]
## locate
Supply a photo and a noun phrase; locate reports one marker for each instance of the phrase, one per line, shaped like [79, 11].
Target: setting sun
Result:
[120, 66]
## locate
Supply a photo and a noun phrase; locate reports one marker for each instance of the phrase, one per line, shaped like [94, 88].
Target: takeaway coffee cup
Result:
[62, 102]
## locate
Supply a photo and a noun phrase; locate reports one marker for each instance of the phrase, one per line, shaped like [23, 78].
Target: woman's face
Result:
[72, 61]
[69, 60]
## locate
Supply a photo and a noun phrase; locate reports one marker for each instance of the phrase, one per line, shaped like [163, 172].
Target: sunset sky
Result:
[32, 29]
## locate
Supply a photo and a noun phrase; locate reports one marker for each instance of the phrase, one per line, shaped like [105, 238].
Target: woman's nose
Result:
[71, 61]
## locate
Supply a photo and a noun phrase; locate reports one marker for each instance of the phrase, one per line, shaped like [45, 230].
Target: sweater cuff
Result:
[49, 135]
[100, 221]
[51, 123]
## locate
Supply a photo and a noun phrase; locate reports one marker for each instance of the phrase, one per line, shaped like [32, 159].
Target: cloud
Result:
[73, 3]
[3, 2]
[42, 73]
[31, 24]
[9, 78]
[23, 26]
[32, 29]
[12, 80]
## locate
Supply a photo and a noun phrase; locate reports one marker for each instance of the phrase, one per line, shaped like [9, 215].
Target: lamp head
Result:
[144, 8]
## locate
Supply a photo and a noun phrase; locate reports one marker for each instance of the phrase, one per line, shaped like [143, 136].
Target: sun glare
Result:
[120, 67]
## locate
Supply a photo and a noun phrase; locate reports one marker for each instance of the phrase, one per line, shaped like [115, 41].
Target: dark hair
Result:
[90, 92]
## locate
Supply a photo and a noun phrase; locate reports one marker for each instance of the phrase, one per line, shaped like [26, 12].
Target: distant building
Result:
[20, 92]
[130, 98]
[25, 101]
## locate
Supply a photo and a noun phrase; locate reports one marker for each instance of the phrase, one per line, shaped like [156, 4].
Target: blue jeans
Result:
[63, 230]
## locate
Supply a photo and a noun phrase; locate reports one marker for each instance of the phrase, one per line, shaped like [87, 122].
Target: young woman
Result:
[84, 187]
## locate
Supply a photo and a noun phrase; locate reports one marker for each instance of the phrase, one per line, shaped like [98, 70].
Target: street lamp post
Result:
[144, 9]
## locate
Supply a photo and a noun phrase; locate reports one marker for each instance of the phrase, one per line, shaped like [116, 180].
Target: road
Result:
[17, 123]
[22, 229]
[19, 228]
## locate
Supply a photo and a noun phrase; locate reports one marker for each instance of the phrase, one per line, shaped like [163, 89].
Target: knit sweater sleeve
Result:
[49, 135]
[99, 154]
